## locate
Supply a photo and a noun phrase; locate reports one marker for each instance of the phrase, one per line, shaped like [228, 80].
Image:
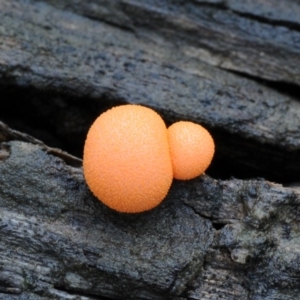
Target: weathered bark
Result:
[58, 52]
[259, 38]
[64, 62]
[68, 240]
[57, 240]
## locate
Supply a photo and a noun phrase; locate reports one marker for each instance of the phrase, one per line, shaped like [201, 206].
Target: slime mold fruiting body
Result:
[126, 161]
[130, 157]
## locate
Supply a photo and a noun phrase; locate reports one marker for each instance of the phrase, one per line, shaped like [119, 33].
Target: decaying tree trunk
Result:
[230, 65]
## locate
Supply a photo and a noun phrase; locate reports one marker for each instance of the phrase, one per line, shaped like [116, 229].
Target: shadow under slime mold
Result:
[62, 121]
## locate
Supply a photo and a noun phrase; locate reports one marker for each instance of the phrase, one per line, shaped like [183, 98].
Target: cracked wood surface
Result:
[210, 239]
[259, 38]
[55, 235]
[56, 51]
[57, 240]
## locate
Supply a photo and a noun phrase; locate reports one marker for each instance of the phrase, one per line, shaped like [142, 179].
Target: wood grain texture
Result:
[55, 51]
[64, 62]
[56, 235]
[56, 238]
[259, 38]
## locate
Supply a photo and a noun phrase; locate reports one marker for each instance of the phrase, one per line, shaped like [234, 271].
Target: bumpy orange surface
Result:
[192, 149]
[126, 160]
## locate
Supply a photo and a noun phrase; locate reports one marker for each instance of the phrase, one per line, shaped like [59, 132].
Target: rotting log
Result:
[56, 237]
[258, 38]
[63, 62]
[57, 55]
[233, 239]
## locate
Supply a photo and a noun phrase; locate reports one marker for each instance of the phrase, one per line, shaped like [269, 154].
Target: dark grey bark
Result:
[259, 38]
[54, 51]
[57, 239]
[63, 62]
[71, 241]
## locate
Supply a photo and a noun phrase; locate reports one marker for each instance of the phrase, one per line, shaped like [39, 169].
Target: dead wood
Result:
[56, 52]
[63, 62]
[58, 241]
[259, 38]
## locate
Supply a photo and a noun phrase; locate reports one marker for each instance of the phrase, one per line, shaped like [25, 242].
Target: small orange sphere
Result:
[192, 149]
[126, 159]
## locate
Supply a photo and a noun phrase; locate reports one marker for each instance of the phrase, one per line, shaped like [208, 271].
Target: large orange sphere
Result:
[192, 149]
[126, 161]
